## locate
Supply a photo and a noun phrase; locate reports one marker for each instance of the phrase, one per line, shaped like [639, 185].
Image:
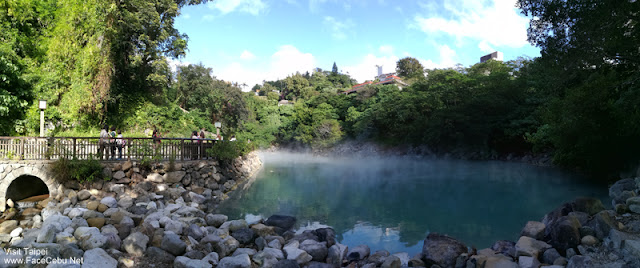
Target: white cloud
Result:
[485, 47]
[208, 17]
[497, 24]
[284, 62]
[247, 55]
[339, 29]
[386, 49]
[448, 59]
[253, 7]
[186, 16]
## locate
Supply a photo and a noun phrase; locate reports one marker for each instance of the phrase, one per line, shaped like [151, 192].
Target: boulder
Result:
[184, 262]
[226, 246]
[119, 175]
[174, 176]
[589, 240]
[127, 165]
[239, 261]
[527, 246]
[243, 235]
[172, 243]
[97, 257]
[282, 223]
[212, 258]
[89, 238]
[359, 252]
[602, 223]
[317, 250]
[298, 255]
[504, 247]
[237, 224]
[7, 226]
[109, 202]
[550, 255]
[216, 220]
[616, 191]
[442, 250]
[262, 230]
[327, 235]
[564, 233]
[533, 229]
[391, 262]
[528, 262]
[159, 255]
[84, 195]
[135, 244]
[154, 177]
[96, 222]
[378, 257]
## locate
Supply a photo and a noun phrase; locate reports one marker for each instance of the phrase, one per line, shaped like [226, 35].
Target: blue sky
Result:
[248, 41]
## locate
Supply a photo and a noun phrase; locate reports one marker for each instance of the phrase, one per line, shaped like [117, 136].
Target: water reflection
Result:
[392, 203]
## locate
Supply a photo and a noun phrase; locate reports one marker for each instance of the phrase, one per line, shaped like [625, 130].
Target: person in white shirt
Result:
[102, 143]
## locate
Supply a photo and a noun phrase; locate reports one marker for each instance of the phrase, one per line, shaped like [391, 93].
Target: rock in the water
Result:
[172, 243]
[616, 191]
[184, 262]
[442, 250]
[282, 223]
[327, 235]
[358, 253]
[97, 257]
[239, 261]
[336, 253]
[300, 256]
[550, 255]
[533, 229]
[135, 244]
[237, 224]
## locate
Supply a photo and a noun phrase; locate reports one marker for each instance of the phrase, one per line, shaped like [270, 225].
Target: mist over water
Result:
[393, 203]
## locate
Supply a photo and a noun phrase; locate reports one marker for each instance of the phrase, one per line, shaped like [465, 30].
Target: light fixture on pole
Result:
[42, 104]
[218, 126]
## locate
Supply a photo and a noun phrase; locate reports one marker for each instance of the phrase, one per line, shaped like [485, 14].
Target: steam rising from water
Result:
[393, 202]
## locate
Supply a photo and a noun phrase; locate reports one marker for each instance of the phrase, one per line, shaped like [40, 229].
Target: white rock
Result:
[109, 202]
[97, 257]
[16, 232]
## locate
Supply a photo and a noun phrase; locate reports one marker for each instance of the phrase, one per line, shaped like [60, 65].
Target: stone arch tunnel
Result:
[19, 181]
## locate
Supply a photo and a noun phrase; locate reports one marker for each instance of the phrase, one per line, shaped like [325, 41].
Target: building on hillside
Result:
[284, 102]
[492, 56]
[384, 79]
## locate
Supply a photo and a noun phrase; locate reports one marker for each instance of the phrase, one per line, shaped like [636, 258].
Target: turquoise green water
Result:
[393, 203]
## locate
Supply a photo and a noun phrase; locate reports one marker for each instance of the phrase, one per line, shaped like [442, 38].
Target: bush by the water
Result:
[229, 150]
[65, 169]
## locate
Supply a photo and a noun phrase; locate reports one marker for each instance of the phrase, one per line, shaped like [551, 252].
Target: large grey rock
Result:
[216, 220]
[243, 235]
[47, 234]
[59, 221]
[237, 225]
[212, 258]
[135, 244]
[184, 262]
[7, 226]
[336, 253]
[286, 264]
[239, 261]
[564, 233]
[528, 262]
[550, 255]
[174, 177]
[119, 175]
[195, 231]
[281, 223]
[378, 257]
[442, 250]
[97, 257]
[359, 252]
[317, 250]
[527, 246]
[300, 256]
[109, 202]
[155, 177]
[89, 238]
[172, 243]
[602, 223]
[226, 246]
[507, 248]
[533, 229]
[327, 235]
[248, 251]
[391, 262]
[84, 195]
[616, 191]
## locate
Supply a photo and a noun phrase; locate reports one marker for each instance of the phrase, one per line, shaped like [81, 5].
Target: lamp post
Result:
[42, 104]
[218, 126]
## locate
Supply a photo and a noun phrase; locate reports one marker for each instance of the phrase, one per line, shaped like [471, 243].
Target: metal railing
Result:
[33, 148]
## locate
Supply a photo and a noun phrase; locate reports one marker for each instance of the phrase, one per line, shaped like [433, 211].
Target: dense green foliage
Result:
[99, 62]
[75, 169]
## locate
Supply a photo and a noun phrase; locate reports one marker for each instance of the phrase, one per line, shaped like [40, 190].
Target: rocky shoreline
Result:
[167, 218]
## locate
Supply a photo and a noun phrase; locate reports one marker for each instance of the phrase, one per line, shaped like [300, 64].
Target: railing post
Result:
[22, 141]
[74, 148]
[182, 150]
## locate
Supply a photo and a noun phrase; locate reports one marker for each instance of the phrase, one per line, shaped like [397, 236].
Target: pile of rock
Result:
[577, 234]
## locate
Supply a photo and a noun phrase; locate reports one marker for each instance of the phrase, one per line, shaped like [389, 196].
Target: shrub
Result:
[75, 169]
[229, 150]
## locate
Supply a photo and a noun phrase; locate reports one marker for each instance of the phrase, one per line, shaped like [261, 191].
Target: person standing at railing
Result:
[120, 143]
[102, 143]
[202, 144]
[112, 142]
[194, 145]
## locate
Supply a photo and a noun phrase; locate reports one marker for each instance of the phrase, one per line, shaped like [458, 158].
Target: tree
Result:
[410, 68]
[334, 70]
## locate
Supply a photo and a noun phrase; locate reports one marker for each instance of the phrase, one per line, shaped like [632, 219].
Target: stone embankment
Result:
[168, 219]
